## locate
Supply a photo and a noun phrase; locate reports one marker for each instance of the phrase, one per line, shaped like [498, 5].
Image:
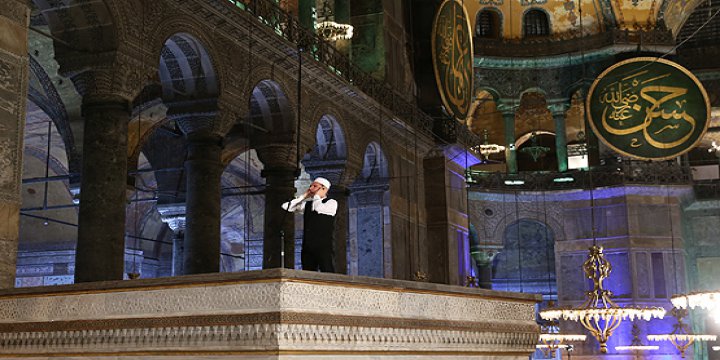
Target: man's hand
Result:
[309, 193]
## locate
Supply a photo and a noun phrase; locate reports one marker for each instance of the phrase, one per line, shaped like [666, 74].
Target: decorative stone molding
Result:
[270, 310]
[277, 155]
[107, 76]
[173, 215]
[13, 81]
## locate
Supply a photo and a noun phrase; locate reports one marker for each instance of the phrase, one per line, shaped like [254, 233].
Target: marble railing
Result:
[270, 314]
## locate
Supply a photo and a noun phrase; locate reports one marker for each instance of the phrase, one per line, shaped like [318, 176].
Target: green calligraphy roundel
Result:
[648, 108]
[453, 58]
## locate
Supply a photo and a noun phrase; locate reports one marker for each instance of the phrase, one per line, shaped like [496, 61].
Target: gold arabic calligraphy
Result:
[622, 104]
[456, 60]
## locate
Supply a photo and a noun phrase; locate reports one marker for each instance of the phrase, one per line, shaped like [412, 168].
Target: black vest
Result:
[318, 229]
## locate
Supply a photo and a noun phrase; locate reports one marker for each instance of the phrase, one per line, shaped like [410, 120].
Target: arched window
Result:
[536, 23]
[487, 24]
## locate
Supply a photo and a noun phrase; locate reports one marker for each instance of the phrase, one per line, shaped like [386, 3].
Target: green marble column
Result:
[558, 113]
[510, 151]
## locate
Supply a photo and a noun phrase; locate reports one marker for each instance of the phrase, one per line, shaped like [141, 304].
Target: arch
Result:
[527, 261]
[369, 248]
[522, 139]
[375, 165]
[148, 241]
[146, 119]
[42, 92]
[242, 213]
[186, 69]
[330, 141]
[532, 90]
[485, 116]
[676, 13]
[536, 23]
[87, 26]
[698, 29]
[494, 93]
[271, 114]
[488, 23]
[36, 134]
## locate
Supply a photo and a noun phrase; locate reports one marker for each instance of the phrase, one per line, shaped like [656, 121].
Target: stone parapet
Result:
[269, 314]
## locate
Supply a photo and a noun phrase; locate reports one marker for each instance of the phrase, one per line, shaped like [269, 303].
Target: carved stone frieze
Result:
[266, 313]
[277, 155]
[13, 87]
[8, 249]
[173, 215]
[107, 76]
[291, 337]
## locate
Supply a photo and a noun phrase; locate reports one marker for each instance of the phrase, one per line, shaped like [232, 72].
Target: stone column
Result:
[508, 114]
[14, 67]
[202, 235]
[174, 216]
[279, 235]
[558, 110]
[100, 253]
[279, 173]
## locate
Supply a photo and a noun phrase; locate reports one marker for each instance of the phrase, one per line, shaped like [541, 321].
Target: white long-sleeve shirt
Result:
[328, 207]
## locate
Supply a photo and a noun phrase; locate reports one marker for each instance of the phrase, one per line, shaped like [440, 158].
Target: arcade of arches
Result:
[157, 139]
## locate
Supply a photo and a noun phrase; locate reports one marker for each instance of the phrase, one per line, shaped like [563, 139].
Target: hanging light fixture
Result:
[552, 339]
[486, 148]
[681, 336]
[535, 150]
[636, 344]
[708, 300]
[328, 29]
[599, 314]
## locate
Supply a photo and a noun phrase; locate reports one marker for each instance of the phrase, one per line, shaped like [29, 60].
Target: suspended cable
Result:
[519, 247]
[47, 166]
[547, 249]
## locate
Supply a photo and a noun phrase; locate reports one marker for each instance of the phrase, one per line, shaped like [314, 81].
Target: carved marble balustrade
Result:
[269, 314]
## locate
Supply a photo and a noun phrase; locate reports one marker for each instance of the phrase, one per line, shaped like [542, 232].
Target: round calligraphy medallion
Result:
[453, 58]
[648, 108]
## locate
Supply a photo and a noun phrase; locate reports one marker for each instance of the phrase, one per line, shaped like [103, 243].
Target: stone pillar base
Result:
[269, 314]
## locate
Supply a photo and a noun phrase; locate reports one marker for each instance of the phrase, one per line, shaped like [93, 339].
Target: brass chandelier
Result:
[599, 314]
[551, 339]
[681, 336]
[636, 345]
[708, 300]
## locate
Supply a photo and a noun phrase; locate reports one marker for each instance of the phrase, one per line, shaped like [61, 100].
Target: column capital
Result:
[507, 106]
[558, 106]
[173, 215]
[106, 77]
[210, 115]
[277, 155]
